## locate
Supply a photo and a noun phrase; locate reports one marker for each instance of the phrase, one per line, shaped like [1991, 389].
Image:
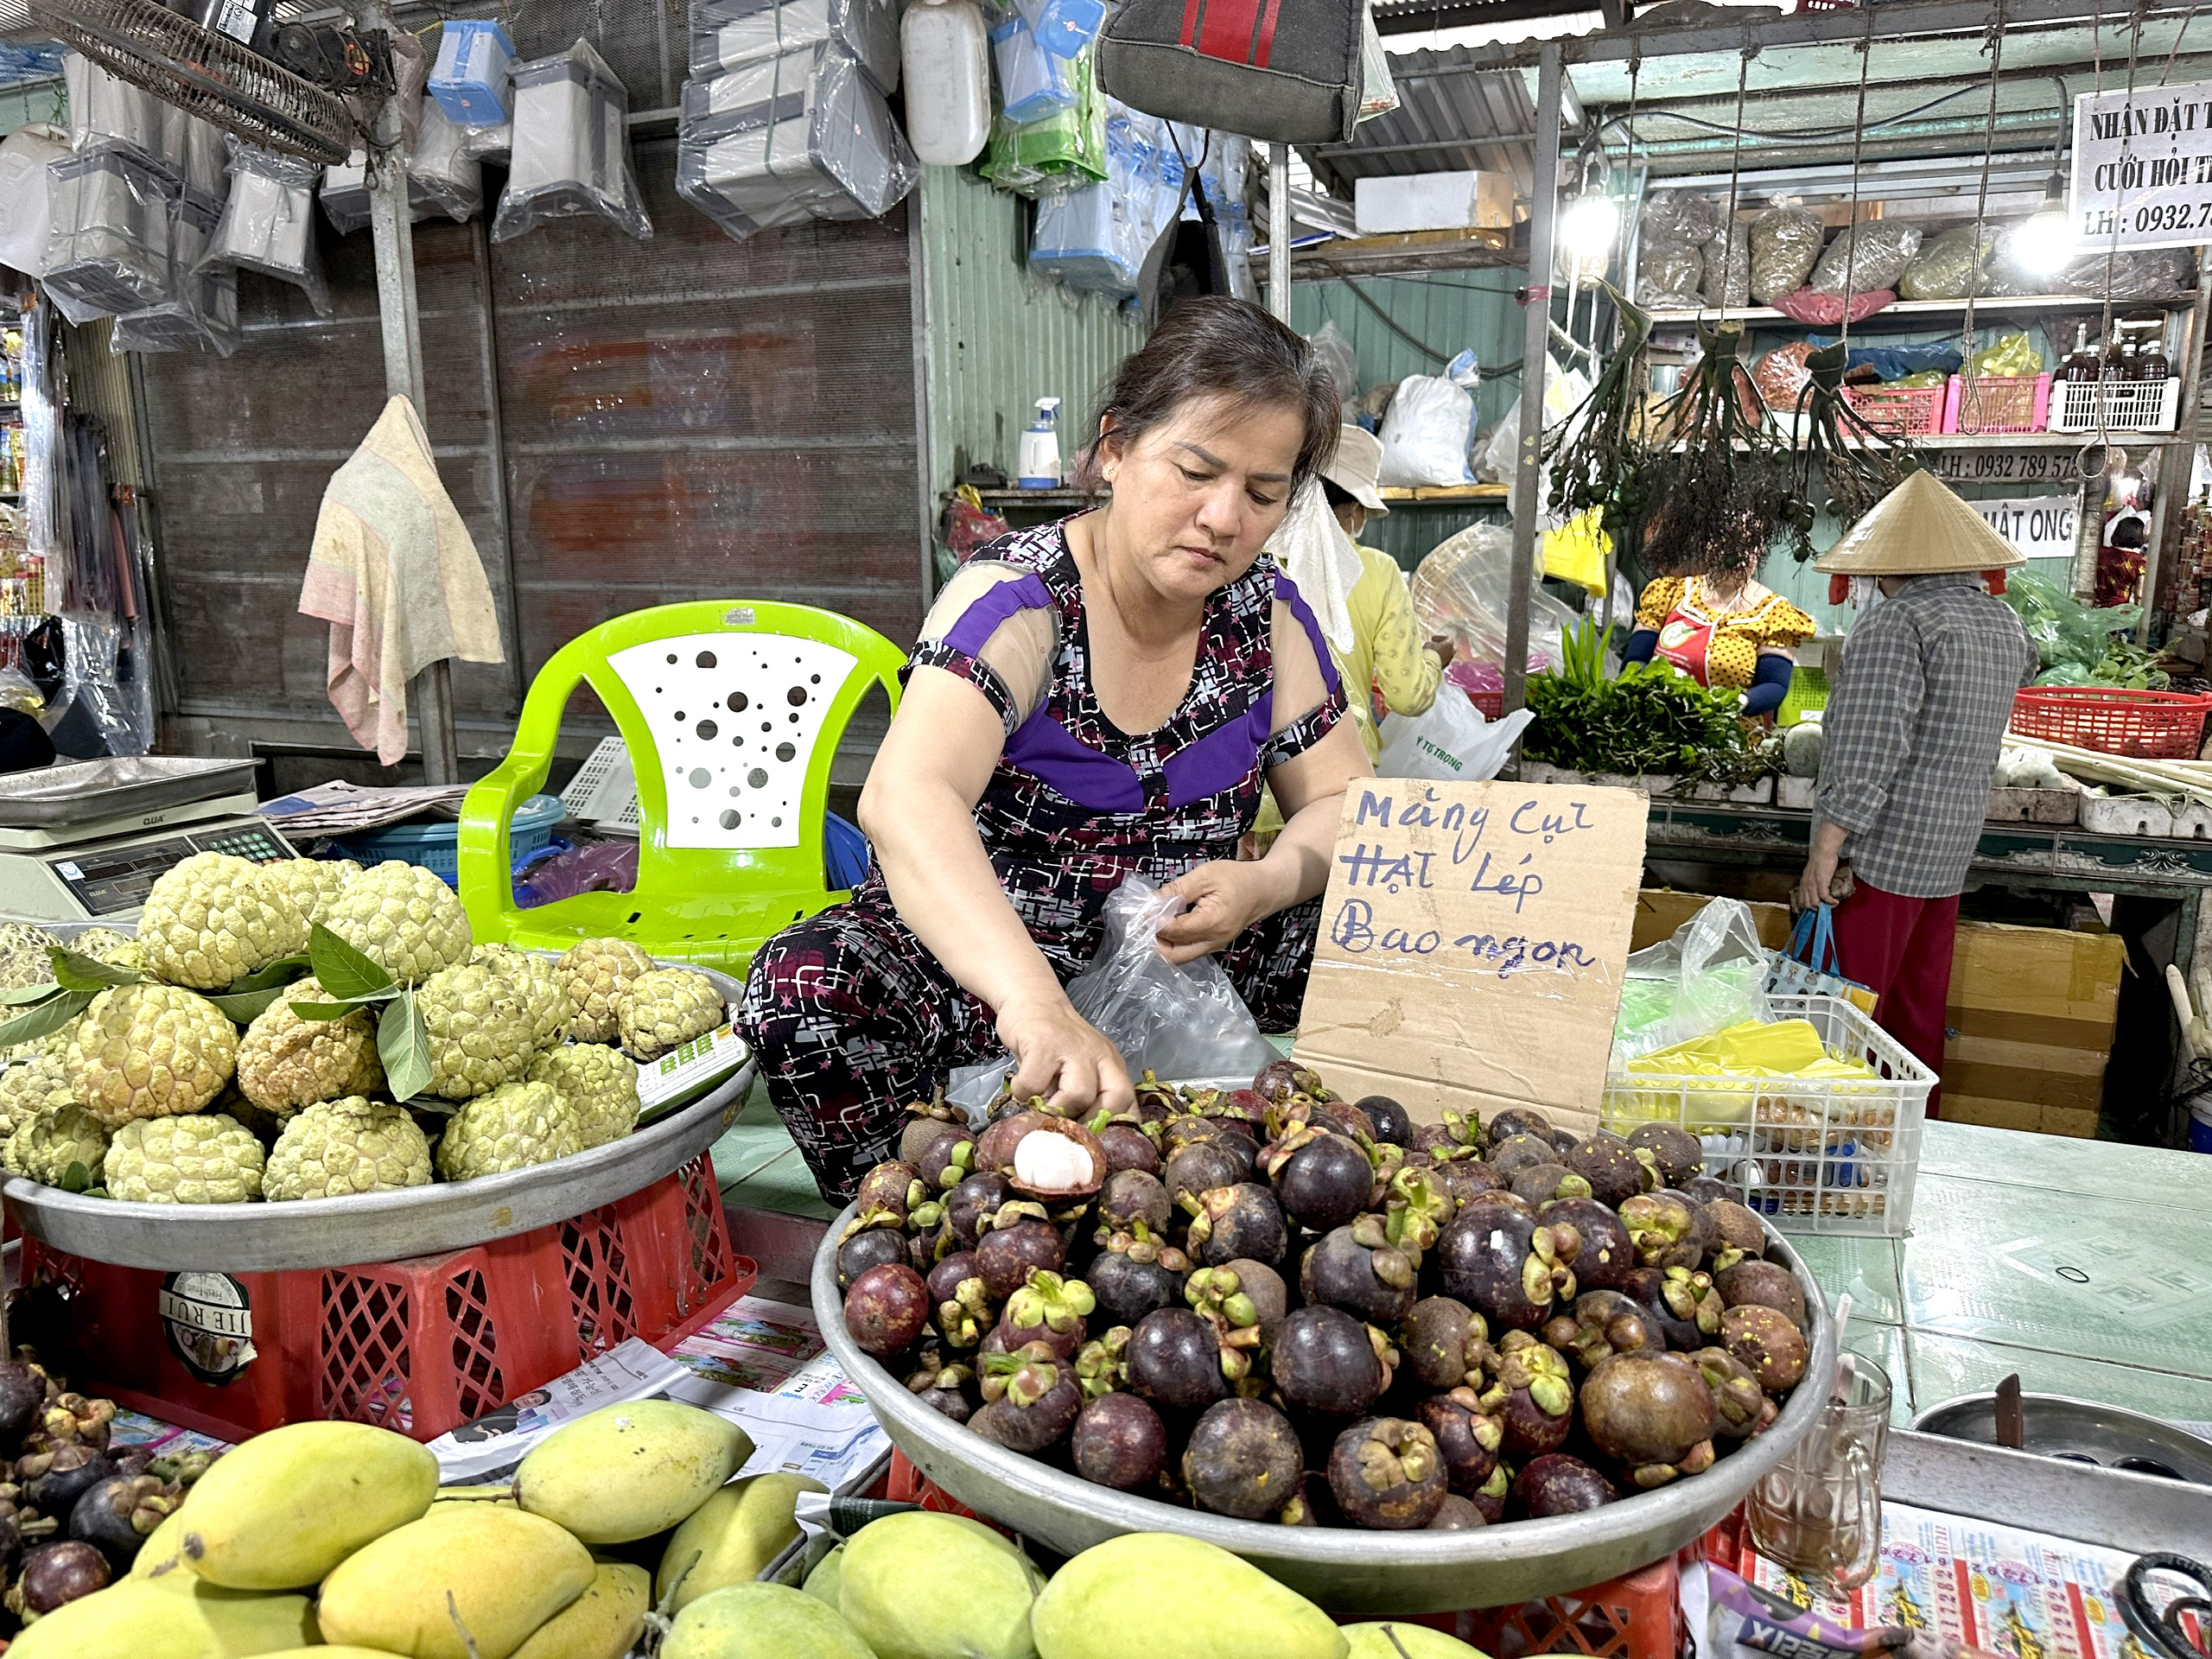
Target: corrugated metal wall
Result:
[997, 340]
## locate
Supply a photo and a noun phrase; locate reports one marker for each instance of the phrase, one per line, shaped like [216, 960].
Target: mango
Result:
[733, 1535]
[347, 1652]
[602, 1623]
[163, 1550]
[628, 1471]
[281, 1510]
[175, 1618]
[822, 1582]
[922, 1586]
[505, 1573]
[1389, 1639]
[1169, 1597]
[761, 1621]
[505, 1494]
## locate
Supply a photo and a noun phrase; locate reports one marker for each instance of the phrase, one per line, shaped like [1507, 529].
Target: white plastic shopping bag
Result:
[1452, 743]
[1425, 434]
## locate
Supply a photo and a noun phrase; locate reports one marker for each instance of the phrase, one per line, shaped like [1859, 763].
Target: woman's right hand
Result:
[1062, 1055]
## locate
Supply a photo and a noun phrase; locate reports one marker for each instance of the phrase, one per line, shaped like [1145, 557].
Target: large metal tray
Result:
[1344, 1571]
[57, 797]
[2077, 1431]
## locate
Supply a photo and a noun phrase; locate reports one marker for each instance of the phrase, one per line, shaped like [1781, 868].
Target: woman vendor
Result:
[1088, 701]
[1726, 629]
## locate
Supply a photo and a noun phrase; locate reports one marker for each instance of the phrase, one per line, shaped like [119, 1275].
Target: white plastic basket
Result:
[1820, 1155]
[2126, 405]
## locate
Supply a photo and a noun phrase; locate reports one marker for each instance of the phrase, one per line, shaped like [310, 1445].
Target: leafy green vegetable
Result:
[1651, 719]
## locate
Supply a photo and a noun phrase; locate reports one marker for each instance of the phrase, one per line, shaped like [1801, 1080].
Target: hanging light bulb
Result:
[2045, 243]
[1588, 228]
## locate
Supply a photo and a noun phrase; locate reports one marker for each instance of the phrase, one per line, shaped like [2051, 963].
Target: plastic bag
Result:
[1780, 374]
[1032, 84]
[1336, 354]
[1425, 436]
[1785, 243]
[107, 249]
[1810, 305]
[1709, 976]
[1178, 1022]
[1460, 590]
[1450, 742]
[2013, 357]
[1728, 267]
[1953, 265]
[1889, 363]
[1866, 258]
[1378, 90]
[1495, 461]
[1576, 552]
[571, 147]
[268, 222]
[27, 194]
[2066, 633]
[1669, 274]
[1060, 152]
[1678, 216]
[2153, 274]
[726, 33]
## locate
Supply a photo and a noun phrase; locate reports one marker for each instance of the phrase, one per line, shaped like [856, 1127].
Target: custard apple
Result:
[36, 1081]
[665, 1008]
[596, 971]
[313, 883]
[105, 944]
[403, 919]
[483, 1020]
[23, 961]
[149, 1051]
[342, 1147]
[214, 919]
[184, 1160]
[515, 1126]
[553, 1007]
[599, 1083]
[43, 1148]
[285, 1062]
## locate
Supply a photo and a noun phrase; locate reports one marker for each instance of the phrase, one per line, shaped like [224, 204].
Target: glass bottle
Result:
[2081, 363]
[2151, 363]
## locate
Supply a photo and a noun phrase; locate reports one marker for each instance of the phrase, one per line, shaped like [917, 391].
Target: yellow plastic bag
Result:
[1576, 552]
[2014, 355]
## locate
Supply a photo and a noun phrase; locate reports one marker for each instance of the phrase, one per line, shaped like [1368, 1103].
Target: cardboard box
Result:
[1433, 201]
[2033, 1074]
[1660, 911]
[2018, 1114]
[2042, 985]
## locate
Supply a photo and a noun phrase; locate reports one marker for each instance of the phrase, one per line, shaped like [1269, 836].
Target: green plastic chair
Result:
[732, 711]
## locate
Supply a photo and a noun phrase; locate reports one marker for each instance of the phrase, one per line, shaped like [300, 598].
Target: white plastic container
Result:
[1041, 448]
[944, 57]
[27, 194]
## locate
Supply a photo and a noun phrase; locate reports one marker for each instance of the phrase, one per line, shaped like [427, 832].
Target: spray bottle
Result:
[1040, 447]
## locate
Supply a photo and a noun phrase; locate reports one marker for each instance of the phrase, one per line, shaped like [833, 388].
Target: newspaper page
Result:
[630, 1370]
[764, 1364]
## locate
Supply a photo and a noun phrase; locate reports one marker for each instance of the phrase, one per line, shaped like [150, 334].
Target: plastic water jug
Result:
[944, 59]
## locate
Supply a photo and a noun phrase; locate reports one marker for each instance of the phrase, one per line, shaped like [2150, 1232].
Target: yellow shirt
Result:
[1755, 621]
[1387, 648]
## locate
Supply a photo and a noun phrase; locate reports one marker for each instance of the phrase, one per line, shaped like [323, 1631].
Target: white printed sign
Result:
[2143, 167]
[2039, 527]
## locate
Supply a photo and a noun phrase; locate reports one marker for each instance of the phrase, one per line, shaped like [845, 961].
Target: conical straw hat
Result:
[1920, 528]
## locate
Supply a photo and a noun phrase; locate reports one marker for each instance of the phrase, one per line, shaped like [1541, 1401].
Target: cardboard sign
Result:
[1473, 941]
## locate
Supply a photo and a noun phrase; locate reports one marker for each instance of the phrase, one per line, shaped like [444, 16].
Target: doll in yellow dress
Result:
[1723, 630]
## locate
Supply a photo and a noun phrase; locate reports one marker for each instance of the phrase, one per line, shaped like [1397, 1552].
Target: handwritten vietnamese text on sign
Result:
[1472, 945]
[2039, 526]
[2142, 175]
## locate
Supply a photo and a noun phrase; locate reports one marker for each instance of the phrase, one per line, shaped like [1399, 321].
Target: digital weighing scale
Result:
[83, 840]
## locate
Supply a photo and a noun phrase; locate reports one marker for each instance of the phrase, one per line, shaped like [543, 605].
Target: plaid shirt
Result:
[1916, 715]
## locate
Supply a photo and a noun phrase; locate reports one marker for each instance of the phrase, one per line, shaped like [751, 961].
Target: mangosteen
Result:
[1767, 1284]
[875, 1248]
[924, 1119]
[1310, 1505]
[1322, 1180]
[1491, 1496]
[1664, 1230]
[1188, 1129]
[1650, 1413]
[1216, 1295]
[1539, 1184]
[960, 1304]
[1344, 1118]
[55, 1574]
[1674, 1151]
[887, 1310]
[1202, 1166]
[1264, 1288]
[1243, 1460]
[1531, 1394]
[1386, 1473]
[1520, 1119]
[931, 1245]
[1279, 1080]
[945, 1154]
[1136, 1274]
[1605, 1256]
[1706, 1189]
[1686, 1305]
[1467, 1438]
[1051, 1160]
[1391, 1122]
[1127, 1148]
[1244, 1220]
[1502, 1199]
[1611, 1168]
[1445, 1343]
[1119, 1441]
[1327, 1363]
[1559, 1484]
[1733, 1232]
[1156, 1101]
[971, 1202]
[1456, 1514]
[23, 1396]
[1463, 1178]
[1037, 1401]
[1176, 1360]
[1017, 1242]
[1130, 1196]
[1504, 1266]
[1415, 1209]
[1357, 1268]
[1605, 1323]
[1740, 1406]
[1245, 1107]
[1051, 1310]
[1515, 1153]
[942, 1386]
[1102, 1365]
[1764, 1339]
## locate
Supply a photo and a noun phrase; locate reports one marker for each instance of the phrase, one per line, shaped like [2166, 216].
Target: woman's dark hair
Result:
[1219, 348]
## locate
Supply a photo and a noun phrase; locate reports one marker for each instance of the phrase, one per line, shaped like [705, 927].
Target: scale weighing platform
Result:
[83, 841]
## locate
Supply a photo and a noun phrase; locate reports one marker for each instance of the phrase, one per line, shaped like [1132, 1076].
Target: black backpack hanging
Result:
[1286, 71]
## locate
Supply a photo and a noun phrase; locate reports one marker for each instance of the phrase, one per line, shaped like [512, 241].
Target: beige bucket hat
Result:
[1921, 528]
[1358, 466]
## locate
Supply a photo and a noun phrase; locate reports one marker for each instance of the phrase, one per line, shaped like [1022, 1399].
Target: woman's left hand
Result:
[1225, 897]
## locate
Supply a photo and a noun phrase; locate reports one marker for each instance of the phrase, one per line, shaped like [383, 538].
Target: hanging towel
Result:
[1311, 548]
[394, 573]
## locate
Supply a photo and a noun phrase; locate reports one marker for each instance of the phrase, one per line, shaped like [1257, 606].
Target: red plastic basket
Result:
[2149, 725]
[421, 1345]
[1990, 405]
[1900, 411]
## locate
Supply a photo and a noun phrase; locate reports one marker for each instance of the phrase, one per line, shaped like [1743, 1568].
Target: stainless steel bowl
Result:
[2080, 1431]
[1342, 1570]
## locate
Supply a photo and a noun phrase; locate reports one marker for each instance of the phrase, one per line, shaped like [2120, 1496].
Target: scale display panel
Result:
[108, 881]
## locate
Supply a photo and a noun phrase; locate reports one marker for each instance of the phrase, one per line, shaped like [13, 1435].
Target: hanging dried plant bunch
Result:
[1851, 463]
[1595, 457]
[1719, 478]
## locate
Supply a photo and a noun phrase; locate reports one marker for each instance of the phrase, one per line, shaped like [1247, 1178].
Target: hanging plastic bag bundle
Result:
[1728, 266]
[268, 222]
[1953, 265]
[27, 194]
[1785, 244]
[571, 147]
[1866, 258]
[107, 249]
[104, 109]
[1425, 434]
[1061, 152]
[202, 313]
[728, 33]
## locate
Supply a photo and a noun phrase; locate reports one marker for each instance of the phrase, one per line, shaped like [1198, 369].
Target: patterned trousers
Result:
[851, 1018]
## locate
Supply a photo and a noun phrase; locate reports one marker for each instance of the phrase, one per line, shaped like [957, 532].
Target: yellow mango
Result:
[922, 1586]
[163, 1550]
[1168, 1597]
[281, 1510]
[172, 1617]
[628, 1471]
[602, 1623]
[502, 1573]
[1391, 1639]
[504, 1494]
[731, 1537]
[822, 1582]
[761, 1621]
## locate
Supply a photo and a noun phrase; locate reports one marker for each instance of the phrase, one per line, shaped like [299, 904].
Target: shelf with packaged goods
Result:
[1411, 253]
[1914, 310]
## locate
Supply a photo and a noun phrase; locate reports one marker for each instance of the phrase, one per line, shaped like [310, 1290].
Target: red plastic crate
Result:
[420, 1345]
[1899, 411]
[2149, 725]
[1990, 405]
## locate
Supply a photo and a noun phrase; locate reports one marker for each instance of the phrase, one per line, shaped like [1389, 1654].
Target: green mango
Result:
[1389, 1639]
[501, 1572]
[163, 1550]
[600, 1623]
[922, 1585]
[172, 1617]
[822, 1582]
[625, 1472]
[279, 1511]
[730, 1537]
[1168, 1597]
[761, 1621]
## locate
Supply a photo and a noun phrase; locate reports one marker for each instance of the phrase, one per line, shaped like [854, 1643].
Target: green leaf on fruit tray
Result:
[322, 1010]
[283, 971]
[404, 1045]
[244, 1007]
[45, 1019]
[23, 996]
[76, 972]
[345, 972]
